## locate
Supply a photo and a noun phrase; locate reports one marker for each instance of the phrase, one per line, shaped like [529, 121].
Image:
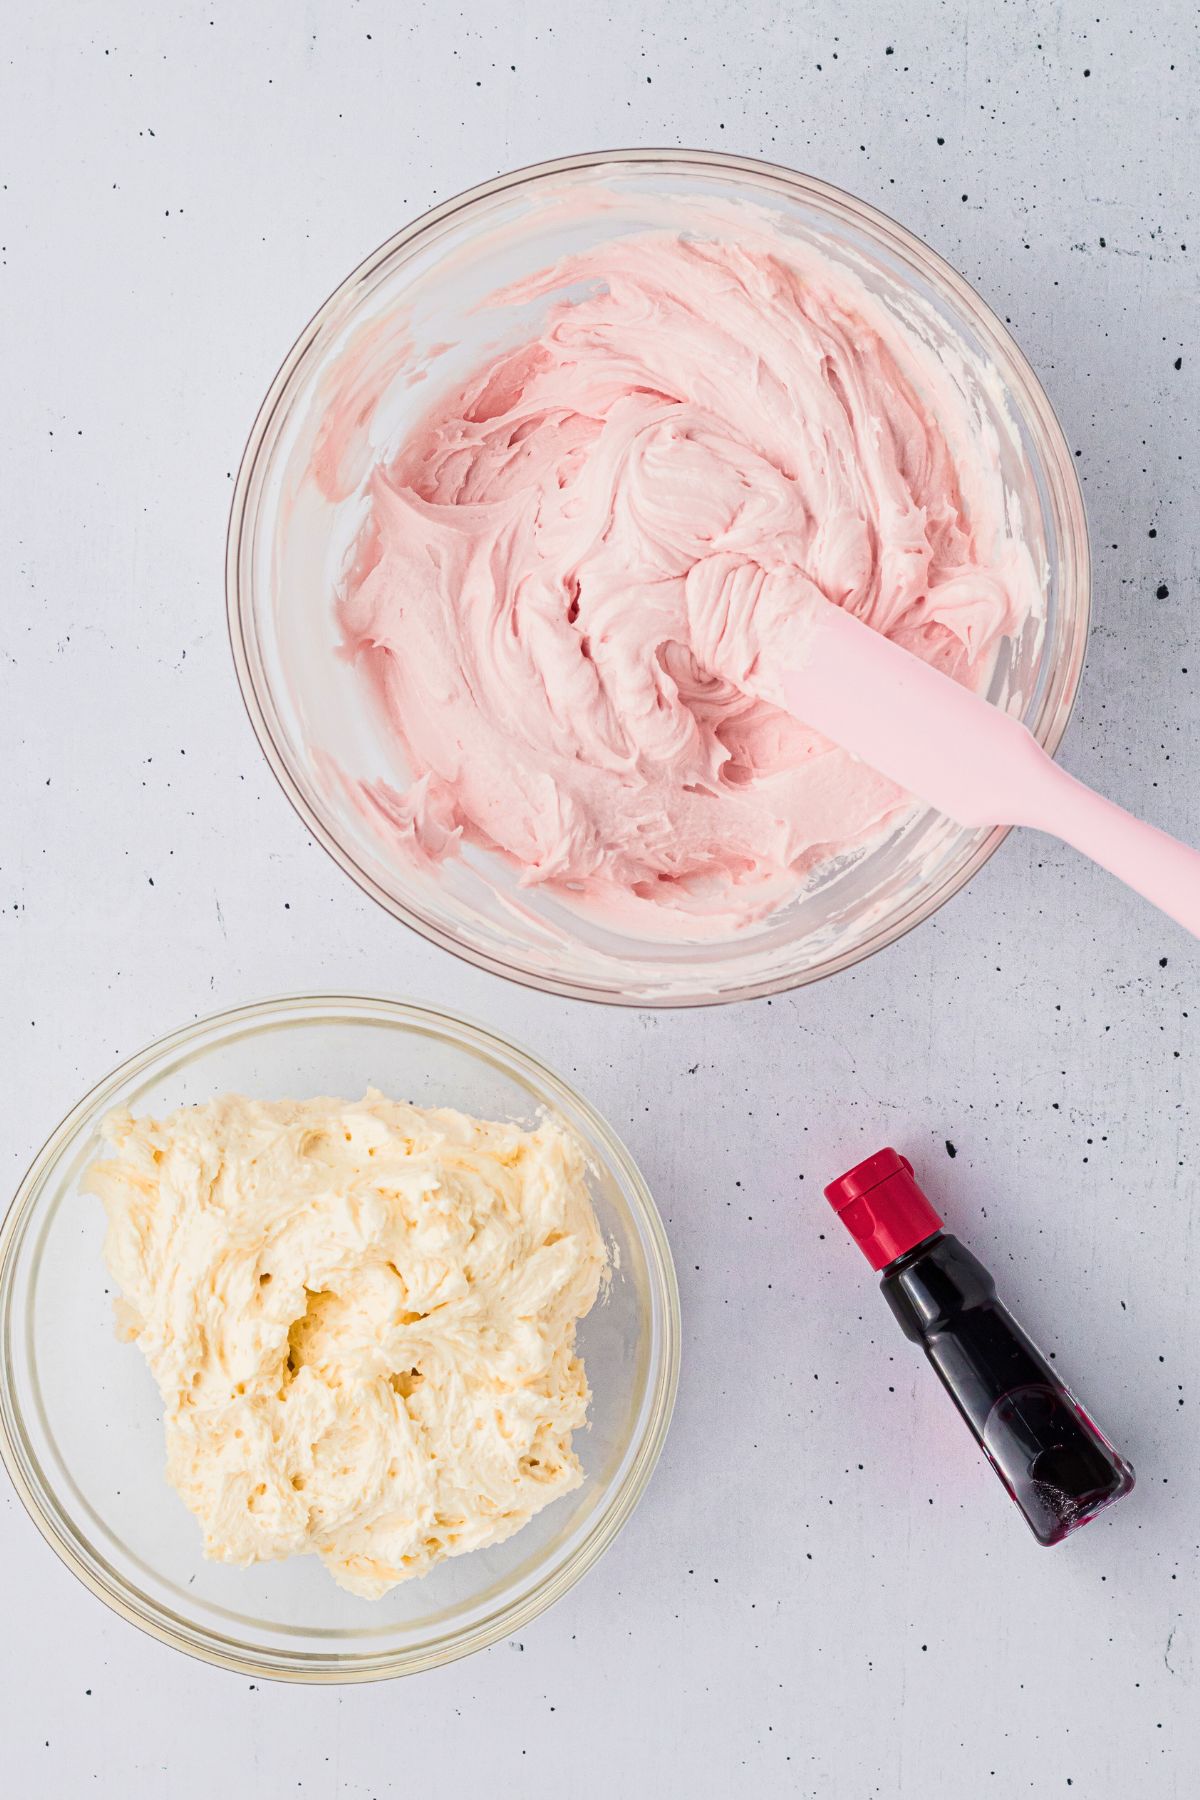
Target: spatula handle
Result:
[1159, 867]
[971, 761]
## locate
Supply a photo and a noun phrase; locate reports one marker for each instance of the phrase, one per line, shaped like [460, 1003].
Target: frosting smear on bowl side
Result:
[361, 1319]
[580, 572]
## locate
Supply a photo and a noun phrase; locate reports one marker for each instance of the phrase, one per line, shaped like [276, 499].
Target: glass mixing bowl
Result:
[80, 1417]
[288, 544]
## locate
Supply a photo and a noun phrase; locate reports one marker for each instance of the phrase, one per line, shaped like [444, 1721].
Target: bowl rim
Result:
[1074, 556]
[210, 1646]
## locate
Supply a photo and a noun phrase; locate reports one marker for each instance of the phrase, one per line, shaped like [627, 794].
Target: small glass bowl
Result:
[288, 544]
[80, 1416]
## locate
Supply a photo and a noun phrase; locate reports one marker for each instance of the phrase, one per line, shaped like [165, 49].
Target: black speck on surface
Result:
[1162, 591]
[951, 1149]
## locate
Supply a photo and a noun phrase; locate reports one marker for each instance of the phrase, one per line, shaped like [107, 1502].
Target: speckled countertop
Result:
[823, 1593]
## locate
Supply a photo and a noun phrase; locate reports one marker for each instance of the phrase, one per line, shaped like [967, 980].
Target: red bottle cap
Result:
[882, 1207]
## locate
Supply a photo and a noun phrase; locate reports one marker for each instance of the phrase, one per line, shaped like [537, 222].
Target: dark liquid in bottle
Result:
[1053, 1460]
[1058, 1467]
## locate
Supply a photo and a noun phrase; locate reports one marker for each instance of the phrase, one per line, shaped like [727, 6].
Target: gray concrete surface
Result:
[823, 1593]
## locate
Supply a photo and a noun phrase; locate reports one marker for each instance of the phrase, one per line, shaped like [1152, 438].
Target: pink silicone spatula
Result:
[970, 760]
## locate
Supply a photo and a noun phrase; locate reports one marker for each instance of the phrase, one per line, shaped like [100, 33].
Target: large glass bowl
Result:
[80, 1418]
[288, 544]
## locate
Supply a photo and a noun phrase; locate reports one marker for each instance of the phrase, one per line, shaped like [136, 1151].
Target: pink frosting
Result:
[583, 573]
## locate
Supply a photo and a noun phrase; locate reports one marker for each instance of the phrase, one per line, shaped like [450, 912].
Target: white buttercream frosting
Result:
[361, 1318]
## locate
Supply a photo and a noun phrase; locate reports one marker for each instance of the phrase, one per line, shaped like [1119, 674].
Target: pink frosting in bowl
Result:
[580, 567]
[534, 527]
